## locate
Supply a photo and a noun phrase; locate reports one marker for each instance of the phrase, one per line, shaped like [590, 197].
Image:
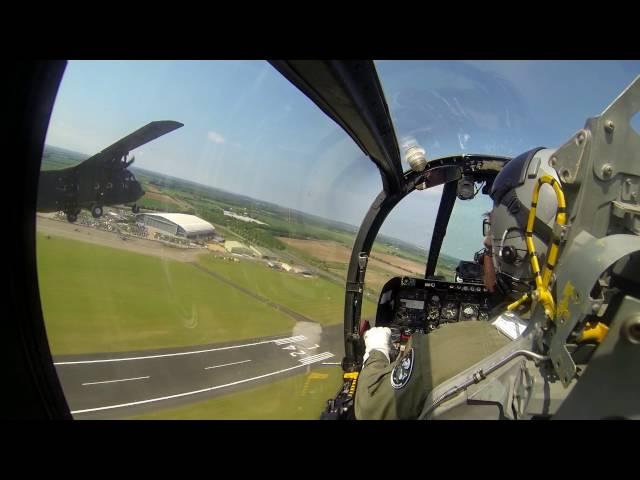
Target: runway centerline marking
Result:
[226, 364]
[145, 357]
[113, 381]
[194, 392]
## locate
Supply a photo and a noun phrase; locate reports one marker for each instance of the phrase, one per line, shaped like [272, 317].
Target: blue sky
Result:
[247, 130]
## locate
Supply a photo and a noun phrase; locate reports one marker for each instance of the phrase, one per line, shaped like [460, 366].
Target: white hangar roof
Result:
[189, 223]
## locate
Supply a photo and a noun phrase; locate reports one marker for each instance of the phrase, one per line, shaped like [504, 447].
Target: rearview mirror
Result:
[440, 175]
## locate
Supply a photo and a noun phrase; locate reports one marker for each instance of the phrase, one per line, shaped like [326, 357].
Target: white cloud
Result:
[215, 137]
[463, 139]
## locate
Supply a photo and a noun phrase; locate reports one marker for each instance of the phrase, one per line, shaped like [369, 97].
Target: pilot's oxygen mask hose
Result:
[542, 293]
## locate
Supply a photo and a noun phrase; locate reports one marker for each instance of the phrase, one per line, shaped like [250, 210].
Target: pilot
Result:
[399, 389]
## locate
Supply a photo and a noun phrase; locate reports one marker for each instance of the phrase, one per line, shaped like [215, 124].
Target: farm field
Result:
[336, 257]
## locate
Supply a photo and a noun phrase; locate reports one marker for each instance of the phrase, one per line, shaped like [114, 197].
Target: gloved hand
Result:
[377, 338]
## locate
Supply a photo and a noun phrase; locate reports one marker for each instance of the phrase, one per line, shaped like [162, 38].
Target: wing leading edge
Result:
[143, 135]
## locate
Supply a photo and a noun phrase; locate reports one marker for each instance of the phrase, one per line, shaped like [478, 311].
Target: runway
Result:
[114, 386]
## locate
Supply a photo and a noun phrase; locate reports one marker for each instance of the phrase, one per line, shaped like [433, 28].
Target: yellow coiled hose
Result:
[542, 293]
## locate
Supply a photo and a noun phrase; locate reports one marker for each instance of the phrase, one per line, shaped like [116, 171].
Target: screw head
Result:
[580, 138]
[607, 170]
[609, 126]
[631, 329]
[553, 161]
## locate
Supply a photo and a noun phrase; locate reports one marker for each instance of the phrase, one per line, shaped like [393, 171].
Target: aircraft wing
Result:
[115, 152]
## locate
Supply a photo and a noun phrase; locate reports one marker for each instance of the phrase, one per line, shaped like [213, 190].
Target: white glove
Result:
[377, 338]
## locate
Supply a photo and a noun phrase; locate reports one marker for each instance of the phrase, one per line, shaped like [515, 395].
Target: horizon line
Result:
[356, 227]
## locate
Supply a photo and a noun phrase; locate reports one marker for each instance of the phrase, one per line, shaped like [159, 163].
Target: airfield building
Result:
[178, 224]
[232, 246]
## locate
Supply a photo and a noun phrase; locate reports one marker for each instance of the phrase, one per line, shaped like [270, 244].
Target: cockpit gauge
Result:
[469, 312]
[450, 311]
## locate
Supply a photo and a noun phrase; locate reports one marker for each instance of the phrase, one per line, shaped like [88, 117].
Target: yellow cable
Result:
[542, 293]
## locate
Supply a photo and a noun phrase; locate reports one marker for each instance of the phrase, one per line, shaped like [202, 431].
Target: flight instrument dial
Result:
[450, 311]
[469, 312]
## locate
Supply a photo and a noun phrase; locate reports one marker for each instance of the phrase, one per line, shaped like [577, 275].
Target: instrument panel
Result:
[408, 305]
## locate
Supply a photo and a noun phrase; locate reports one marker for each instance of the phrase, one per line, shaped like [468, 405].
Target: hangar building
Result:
[178, 224]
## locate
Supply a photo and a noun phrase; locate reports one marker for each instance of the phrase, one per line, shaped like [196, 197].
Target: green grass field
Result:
[100, 299]
[315, 298]
[300, 397]
[152, 203]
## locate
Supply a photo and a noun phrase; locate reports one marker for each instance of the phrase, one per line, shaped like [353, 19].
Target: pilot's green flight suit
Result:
[398, 390]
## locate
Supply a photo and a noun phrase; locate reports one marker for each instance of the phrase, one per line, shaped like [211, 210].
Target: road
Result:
[127, 384]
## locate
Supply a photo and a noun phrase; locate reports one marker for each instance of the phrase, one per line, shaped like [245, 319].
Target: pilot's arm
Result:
[371, 403]
[399, 390]
[387, 391]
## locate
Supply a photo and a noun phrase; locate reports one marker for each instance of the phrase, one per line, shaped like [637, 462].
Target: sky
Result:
[248, 130]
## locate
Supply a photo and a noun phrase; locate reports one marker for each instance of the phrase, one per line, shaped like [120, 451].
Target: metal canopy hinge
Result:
[561, 232]
[363, 259]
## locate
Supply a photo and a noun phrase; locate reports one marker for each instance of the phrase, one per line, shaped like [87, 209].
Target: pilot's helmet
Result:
[512, 192]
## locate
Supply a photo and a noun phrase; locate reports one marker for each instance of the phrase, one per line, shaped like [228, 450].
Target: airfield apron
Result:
[398, 390]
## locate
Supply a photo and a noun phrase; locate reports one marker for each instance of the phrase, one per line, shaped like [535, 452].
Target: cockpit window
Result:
[496, 107]
[500, 108]
[219, 291]
[216, 290]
